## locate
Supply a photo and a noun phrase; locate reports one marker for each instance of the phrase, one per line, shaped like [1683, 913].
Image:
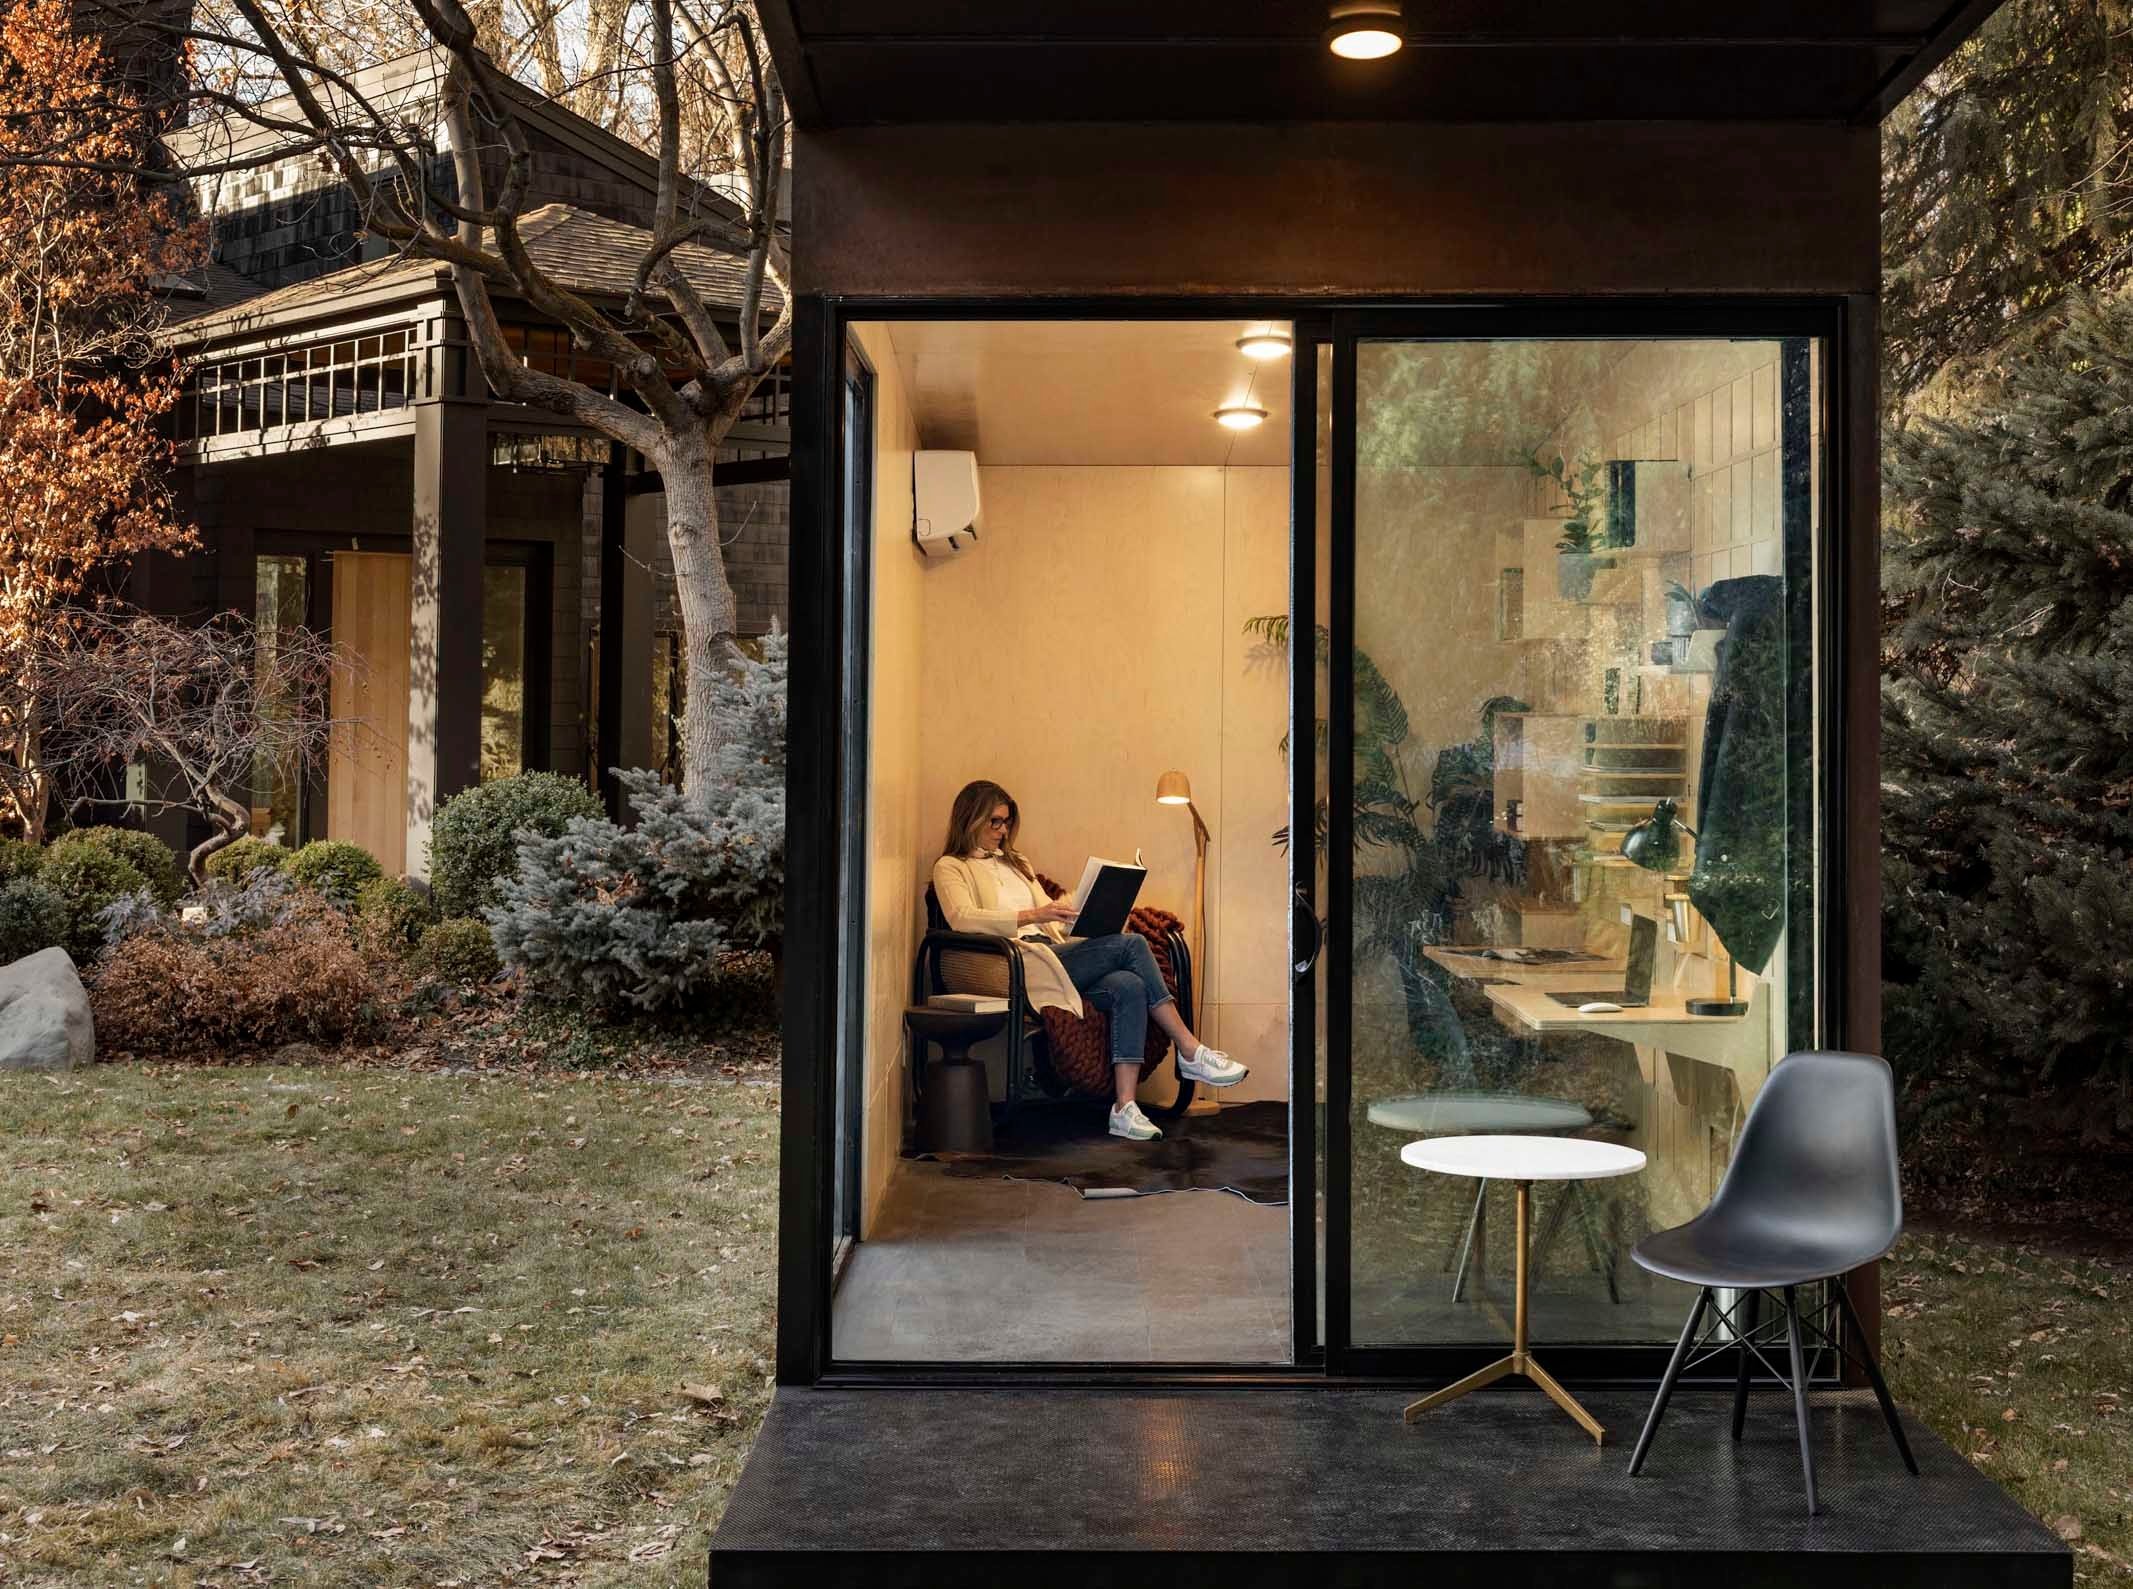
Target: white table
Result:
[1521, 1161]
[1439, 1114]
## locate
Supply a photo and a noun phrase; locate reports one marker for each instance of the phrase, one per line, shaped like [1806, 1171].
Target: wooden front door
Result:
[366, 767]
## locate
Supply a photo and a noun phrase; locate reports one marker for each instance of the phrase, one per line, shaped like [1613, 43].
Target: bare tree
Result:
[683, 382]
[212, 705]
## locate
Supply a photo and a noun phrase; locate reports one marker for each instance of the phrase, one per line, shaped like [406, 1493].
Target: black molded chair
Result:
[1812, 1193]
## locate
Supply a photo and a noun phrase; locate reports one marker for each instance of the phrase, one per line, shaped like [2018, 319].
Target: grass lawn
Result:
[345, 1326]
[2023, 1361]
[337, 1326]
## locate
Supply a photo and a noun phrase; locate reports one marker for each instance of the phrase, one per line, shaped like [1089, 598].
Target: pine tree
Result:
[2007, 181]
[2008, 723]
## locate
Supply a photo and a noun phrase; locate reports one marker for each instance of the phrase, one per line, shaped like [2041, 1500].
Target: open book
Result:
[1106, 895]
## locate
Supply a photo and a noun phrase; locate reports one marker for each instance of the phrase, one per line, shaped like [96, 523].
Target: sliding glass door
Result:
[1571, 832]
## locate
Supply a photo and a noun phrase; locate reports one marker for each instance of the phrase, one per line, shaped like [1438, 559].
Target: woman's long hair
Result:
[967, 830]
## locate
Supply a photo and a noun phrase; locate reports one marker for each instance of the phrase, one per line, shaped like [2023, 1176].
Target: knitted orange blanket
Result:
[1080, 1045]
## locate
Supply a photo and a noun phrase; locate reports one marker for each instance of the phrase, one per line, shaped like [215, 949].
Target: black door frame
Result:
[1792, 327]
[823, 800]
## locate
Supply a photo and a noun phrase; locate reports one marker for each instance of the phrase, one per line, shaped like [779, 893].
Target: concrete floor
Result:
[984, 1270]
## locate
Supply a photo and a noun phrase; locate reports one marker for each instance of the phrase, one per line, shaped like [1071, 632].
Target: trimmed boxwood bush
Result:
[156, 861]
[32, 917]
[474, 841]
[86, 878]
[334, 868]
[237, 861]
[393, 914]
[459, 950]
[19, 858]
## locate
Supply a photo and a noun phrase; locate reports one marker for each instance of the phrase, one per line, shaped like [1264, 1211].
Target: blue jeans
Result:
[1119, 975]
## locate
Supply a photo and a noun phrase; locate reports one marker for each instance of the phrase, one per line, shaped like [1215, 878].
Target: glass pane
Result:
[503, 672]
[1582, 778]
[280, 603]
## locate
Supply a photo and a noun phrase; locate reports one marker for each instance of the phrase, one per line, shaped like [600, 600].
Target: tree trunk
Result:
[232, 821]
[708, 613]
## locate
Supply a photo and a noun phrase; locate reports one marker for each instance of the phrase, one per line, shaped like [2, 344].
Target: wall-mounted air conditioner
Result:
[944, 502]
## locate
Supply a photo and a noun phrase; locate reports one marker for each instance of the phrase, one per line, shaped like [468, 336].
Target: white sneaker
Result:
[1127, 1121]
[1212, 1066]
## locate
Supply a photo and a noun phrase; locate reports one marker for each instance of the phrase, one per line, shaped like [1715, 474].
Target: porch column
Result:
[444, 614]
[644, 542]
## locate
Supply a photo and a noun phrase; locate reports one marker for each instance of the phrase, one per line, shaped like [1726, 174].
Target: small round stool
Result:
[954, 1112]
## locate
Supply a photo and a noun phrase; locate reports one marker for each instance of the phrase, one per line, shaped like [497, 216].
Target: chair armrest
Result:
[927, 967]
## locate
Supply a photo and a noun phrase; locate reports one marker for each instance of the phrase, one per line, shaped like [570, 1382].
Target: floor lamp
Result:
[1175, 789]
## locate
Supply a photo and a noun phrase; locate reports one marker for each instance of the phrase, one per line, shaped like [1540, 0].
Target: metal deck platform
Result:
[1327, 1487]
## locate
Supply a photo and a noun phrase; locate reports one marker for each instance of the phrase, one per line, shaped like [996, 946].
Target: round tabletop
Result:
[1451, 1113]
[1523, 1158]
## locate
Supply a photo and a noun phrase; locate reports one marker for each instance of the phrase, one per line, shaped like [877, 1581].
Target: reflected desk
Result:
[1737, 1043]
[1472, 966]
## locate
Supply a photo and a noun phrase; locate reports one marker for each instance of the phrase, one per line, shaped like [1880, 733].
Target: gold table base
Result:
[1521, 1361]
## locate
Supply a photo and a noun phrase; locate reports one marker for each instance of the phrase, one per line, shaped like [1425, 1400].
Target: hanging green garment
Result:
[1739, 880]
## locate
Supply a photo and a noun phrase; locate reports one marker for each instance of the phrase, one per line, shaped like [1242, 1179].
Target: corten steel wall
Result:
[1336, 213]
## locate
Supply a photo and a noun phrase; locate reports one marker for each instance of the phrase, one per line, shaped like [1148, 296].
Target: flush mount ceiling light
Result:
[1240, 416]
[1365, 30]
[1264, 345]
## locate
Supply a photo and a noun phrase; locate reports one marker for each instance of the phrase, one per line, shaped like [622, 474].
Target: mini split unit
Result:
[944, 502]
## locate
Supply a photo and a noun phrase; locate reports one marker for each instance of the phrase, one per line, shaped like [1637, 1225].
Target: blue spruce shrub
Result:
[614, 917]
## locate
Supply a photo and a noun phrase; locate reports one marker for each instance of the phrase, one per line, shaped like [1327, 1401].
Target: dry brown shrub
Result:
[177, 993]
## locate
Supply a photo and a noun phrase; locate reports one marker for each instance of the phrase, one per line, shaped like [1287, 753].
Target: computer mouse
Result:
[1599, 1007]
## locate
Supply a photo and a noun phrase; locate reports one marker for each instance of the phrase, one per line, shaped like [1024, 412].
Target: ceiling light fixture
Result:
[1264, 345]
[1240, 416]
[1365, 30]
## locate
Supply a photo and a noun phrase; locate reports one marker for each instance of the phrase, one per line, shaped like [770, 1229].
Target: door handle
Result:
[1304, 913]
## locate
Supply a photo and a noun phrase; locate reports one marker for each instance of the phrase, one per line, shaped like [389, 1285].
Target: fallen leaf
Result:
[709, 1395]
[2067, 1527]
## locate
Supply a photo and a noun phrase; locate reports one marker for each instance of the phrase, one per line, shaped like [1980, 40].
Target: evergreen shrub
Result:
[32, 917]
[248, 854]
[334, 868]
[156, 861]
[19, 858]
[458, 950]
[87, 878]
[393, 914]
[474, 840]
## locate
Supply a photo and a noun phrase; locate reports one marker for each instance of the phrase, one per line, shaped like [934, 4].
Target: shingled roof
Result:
[586, 253]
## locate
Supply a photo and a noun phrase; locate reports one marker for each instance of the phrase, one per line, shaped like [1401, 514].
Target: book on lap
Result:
[1106, 895]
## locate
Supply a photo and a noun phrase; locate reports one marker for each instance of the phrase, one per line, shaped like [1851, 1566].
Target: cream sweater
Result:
[969, 890]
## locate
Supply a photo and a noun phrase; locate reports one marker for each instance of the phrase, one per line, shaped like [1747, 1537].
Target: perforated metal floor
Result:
[1328, 1487]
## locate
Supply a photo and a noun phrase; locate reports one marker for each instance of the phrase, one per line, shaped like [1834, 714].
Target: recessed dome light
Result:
[1264, 345]
[1240, 416]
[1365, 30]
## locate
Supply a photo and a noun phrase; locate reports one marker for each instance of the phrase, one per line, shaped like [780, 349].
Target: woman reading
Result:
[985, 885]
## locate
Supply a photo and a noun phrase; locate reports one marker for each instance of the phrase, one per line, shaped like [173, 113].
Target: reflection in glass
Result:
[1582, 571]
[281, 596]
[503, 672]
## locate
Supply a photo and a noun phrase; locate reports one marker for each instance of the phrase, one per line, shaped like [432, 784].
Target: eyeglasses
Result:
[996, 822]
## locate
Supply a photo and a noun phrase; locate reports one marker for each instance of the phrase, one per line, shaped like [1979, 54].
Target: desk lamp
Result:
[1655, 845]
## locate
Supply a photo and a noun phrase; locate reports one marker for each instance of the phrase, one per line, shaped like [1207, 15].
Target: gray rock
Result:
[44, 1014]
